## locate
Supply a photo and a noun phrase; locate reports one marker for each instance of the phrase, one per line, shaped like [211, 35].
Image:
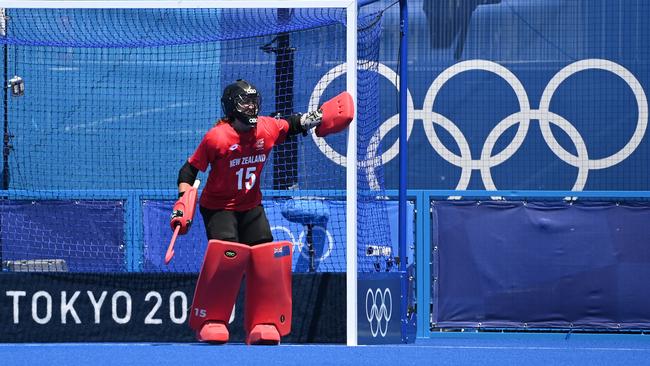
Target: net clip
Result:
[17, 86]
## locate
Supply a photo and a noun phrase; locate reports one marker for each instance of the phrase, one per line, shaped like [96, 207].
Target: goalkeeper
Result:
[239, 234]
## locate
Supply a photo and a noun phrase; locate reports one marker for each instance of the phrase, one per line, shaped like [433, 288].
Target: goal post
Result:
[122, 98]
[351, 184]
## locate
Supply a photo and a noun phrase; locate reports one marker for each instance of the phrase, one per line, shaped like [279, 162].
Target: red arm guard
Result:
[338, 112]
[183, 212]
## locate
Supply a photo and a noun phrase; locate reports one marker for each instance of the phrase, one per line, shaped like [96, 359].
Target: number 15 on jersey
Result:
[246, 178]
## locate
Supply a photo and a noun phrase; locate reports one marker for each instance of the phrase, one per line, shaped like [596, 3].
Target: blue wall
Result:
[103, 102]
[533, 40]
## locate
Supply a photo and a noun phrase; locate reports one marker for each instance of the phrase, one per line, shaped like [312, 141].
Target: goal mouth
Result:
[110, 98]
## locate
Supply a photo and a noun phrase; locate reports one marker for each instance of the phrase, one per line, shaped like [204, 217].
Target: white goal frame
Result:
[350, 6]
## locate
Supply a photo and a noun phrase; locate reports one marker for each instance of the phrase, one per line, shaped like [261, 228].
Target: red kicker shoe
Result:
[213, 332]
[263, 334]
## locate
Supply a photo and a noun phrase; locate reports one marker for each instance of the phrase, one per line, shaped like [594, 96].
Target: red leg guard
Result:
[218, 284]
[268, 292]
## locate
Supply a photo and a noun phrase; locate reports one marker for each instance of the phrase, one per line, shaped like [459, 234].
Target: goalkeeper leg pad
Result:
[338, 112]
[217, 288]
[267, 313]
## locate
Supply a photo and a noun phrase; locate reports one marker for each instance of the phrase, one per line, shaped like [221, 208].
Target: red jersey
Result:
[236, 161]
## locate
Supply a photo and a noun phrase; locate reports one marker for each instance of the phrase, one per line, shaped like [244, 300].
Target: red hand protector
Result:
[183, 212]
[182, 216]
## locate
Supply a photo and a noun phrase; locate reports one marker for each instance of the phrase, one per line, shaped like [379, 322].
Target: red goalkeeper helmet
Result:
[242, 101]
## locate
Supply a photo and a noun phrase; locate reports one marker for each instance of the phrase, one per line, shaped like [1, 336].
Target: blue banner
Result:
[541, 265]
[521, 94]
[83, 307]
[87, 235]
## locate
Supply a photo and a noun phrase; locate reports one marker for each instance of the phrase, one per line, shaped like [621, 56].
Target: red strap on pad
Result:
[268, 287]
[218, 284]
[338, 113]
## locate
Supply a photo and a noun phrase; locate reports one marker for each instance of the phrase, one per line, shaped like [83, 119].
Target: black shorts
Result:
[246, 227]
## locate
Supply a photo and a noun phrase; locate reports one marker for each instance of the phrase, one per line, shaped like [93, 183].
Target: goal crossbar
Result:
[178, 4]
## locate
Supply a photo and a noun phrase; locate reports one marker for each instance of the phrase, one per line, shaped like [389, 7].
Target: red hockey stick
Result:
[170, 250]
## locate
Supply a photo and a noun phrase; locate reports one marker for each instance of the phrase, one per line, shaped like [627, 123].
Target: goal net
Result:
[103, 106]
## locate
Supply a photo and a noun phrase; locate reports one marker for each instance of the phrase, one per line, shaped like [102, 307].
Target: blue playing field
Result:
[443, 349]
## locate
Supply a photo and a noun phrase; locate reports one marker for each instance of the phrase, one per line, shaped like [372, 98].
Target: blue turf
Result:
[442, 349]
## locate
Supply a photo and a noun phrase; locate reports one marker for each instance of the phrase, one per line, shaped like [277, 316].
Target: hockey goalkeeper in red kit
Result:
[239, 234]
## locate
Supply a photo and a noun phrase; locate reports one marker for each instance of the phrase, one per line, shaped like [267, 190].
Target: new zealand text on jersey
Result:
[248, 160]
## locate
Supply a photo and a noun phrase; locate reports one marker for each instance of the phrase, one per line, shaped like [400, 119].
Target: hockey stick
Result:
[170, 250]
[188, 203]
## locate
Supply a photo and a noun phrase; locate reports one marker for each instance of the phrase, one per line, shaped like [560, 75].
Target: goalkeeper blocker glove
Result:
[333, 116]
[337, 114]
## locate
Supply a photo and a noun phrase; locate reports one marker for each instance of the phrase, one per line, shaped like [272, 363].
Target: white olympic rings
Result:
[299, 244]
[380, 311]
[523, 117]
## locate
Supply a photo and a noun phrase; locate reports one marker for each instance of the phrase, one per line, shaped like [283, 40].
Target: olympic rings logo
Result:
[526, 114]
[379, 309]
[299, 244]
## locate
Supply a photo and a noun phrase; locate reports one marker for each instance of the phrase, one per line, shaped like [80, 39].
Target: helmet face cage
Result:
[241, 101]
[248, 104]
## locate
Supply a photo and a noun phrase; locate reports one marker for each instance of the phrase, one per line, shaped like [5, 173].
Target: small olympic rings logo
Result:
[379, 309]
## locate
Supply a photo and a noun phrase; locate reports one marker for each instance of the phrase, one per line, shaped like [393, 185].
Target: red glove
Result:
[183, 212]
[338, 112]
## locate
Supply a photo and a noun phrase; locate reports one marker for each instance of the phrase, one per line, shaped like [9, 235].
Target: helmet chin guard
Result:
[241, 100]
